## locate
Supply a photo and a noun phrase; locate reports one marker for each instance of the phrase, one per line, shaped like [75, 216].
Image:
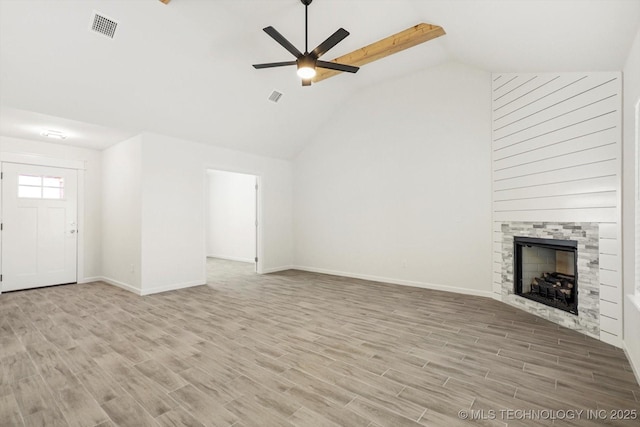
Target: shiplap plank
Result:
[505, 84]
[541, 150]
[526, 85]
[563, 215]
[597, 185]
[586, 95]
[610, 338]
[497, 268]
[497, 278]
[610, 309]
[548, 83]
[608, 246]
[595, 132]
[590, 156]
[611, 293]
[587, 170]
[609, 262]
[589, 200]
[610, 277]
[562, 130]
[608, 231]
[611, 325]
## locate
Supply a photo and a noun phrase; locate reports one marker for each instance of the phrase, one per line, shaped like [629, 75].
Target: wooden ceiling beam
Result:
[382, 48]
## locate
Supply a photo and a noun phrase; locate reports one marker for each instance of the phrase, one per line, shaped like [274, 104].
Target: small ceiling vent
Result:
[103, 25]
[275, 96]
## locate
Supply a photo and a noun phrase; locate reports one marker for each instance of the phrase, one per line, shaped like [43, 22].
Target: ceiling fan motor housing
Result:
[308, 61]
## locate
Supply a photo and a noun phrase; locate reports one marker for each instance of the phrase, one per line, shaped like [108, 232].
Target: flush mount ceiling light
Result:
[55, 134]
[308, 61]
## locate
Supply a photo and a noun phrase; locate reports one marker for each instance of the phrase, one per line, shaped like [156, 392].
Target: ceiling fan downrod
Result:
[306, 4]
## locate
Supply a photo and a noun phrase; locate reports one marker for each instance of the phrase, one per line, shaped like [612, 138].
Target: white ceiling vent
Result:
[103, 25]
[275, 96]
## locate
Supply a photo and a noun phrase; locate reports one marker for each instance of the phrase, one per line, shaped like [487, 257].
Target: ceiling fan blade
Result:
[283, 42]
[274, 64]
[306, 82]
[333, 40]
[337, 67]
[382, 48]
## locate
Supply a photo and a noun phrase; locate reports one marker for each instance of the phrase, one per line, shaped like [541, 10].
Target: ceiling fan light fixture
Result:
[306, 68]
[306, 73]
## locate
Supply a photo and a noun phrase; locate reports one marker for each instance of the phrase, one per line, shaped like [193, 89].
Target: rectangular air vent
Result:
[275, 96]
[102, 25]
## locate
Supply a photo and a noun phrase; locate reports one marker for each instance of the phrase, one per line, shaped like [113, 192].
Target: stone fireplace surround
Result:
[586, 234]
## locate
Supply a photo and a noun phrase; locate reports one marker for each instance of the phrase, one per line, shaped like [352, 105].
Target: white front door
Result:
[39, 226]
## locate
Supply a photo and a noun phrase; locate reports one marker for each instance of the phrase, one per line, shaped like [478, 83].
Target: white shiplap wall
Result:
[557, 158]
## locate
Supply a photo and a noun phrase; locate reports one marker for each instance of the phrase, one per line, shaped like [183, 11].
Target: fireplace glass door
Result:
[545, 270]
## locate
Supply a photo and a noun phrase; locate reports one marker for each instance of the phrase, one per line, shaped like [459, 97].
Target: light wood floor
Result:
[288, 349]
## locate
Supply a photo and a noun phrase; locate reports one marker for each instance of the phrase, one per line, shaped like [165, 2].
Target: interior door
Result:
[39, 226]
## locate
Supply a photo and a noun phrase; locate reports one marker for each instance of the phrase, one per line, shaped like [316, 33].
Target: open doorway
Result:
[232, 225]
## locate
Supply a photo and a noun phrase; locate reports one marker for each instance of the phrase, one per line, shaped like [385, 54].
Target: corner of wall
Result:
[631, 236]
[121, 214]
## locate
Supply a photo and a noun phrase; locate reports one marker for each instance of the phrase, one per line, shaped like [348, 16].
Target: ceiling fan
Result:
[308, 61]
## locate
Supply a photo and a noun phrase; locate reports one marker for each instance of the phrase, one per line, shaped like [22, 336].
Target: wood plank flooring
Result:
[293, 349]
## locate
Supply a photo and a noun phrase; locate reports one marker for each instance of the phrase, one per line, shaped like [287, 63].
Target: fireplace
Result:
[546, 271]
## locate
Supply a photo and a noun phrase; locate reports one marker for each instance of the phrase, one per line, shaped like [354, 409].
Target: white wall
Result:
[121, 215]
[396, 186]
[631, 260]
[174, 205]
[231, 216]
[92, 192]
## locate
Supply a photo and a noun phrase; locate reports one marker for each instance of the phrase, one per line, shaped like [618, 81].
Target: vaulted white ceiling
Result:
[184, 69]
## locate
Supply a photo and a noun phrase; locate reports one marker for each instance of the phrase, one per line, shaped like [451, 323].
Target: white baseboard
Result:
[277, 269]
[436, 287]
[91, 279]
[232, 258]
[120, 284]
[150, 291]
[173, 287]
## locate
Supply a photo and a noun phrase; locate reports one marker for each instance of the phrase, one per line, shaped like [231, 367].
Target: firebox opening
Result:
[545, 270]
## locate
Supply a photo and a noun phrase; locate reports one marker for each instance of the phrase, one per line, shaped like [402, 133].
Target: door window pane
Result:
[29, 180]
[27, 192]
[52, 181]
[40, 187]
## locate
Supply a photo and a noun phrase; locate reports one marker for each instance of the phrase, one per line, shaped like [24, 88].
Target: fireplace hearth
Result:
[545, 271]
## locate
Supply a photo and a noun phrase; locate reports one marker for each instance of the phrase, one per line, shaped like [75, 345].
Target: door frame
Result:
[259, 216]
[36, 160]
